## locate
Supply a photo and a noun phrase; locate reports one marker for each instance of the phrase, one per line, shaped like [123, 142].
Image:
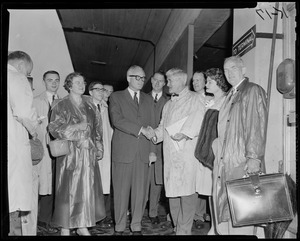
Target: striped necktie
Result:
[136, 99]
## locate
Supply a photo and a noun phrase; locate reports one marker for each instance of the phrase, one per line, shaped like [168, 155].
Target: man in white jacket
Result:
[45, 170]
[22, 121]
[179, 126]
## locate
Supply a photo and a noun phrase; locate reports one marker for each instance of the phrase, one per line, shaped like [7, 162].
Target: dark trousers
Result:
[154, 194]
[130, 180]
[46, 202]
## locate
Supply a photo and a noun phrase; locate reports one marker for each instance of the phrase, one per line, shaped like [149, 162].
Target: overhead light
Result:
[98, 62]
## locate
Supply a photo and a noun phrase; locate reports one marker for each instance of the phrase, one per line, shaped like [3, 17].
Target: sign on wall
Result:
[245, 43]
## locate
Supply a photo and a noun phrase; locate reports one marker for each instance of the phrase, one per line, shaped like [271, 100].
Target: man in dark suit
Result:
[158, 81]
[131, 112]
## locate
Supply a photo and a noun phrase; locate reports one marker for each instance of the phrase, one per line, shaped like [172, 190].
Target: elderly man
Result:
[45, 170]
[179, 126]
[240, 147]
[22, 119]
[131, 112]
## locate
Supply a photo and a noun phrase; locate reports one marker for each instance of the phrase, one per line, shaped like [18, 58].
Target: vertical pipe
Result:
[272, 59]
[270, 74]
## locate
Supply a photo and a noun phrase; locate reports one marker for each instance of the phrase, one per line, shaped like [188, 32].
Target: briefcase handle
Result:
[254, 178]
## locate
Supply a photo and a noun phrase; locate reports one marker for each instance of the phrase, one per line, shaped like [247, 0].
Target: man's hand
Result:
[152, 158]
[179, 137]
[252, 166]
[148, 132]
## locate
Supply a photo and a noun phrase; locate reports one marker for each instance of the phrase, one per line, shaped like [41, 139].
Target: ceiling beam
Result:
[178, 21]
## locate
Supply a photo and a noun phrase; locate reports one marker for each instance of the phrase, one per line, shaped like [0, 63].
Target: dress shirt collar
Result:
[131, 92]
[236, 86]
[182, 93]
[158, 95]
[49, 96]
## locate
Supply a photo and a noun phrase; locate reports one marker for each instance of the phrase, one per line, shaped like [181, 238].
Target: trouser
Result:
[107, 201]
[15, 227]
[200, 208]
[29, 221]
[129, 180]
[183, 210]
[46, 203]
[154, 194]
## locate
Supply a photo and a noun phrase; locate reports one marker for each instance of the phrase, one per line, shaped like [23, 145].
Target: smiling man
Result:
[45, 171]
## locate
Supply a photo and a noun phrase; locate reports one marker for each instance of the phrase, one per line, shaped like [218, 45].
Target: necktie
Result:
[155, 100]
[98, 107]
[136, 99]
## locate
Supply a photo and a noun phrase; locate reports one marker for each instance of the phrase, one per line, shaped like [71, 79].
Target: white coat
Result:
[22, 118]
[105, 163]
[41, 104]
[182, 171]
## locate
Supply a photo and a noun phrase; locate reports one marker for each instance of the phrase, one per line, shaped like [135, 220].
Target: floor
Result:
[163, 228]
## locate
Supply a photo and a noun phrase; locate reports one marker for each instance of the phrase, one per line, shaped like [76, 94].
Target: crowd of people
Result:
[127, 147]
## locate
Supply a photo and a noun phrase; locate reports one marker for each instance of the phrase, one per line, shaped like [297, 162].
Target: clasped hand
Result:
[148, 132]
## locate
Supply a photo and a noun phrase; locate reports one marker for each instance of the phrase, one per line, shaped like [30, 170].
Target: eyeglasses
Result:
[80, 83]
[137, 77]
[98, 89]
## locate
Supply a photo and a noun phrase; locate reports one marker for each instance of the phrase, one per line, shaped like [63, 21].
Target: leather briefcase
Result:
[259, 199]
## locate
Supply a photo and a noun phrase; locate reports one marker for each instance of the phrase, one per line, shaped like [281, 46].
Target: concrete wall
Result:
[39, 33]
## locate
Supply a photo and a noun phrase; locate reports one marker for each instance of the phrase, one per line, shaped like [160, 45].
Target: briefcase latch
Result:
[255, 183]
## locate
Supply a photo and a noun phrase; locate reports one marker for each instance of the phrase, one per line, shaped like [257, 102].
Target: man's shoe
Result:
[105, 223]
[199, 224]
[154, 220]
[137, 233]
[118, 233]
[46, 227]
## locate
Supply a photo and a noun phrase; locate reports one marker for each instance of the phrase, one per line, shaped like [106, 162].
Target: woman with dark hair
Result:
[217, 85]
[79, 201]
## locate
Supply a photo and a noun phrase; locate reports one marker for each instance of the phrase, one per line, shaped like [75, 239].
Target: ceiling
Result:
[104, 43]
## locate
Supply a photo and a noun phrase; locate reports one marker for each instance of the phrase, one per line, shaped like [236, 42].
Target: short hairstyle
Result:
[50, 72]
[19, 55]
[68, 81]
[91, 85]
[133, 67]
[217, 75]
[160, 73]
[235, 59]
[200, 72]
[177, 73]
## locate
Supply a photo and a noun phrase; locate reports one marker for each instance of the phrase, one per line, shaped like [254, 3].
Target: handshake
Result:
[148, 132]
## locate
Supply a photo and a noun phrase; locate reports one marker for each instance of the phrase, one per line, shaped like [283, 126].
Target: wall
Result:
[39, 33]
[257, 62]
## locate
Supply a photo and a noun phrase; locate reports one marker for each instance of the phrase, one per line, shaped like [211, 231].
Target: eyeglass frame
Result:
[137, 77]
[98, 89]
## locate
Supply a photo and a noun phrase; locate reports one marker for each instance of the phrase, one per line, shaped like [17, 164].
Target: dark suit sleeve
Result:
[153, 125]
[119, 121]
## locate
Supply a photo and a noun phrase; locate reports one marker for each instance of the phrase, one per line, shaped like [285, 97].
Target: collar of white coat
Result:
[181, 94]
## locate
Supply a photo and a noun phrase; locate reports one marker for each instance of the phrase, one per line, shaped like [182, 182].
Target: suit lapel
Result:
[129, 98]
